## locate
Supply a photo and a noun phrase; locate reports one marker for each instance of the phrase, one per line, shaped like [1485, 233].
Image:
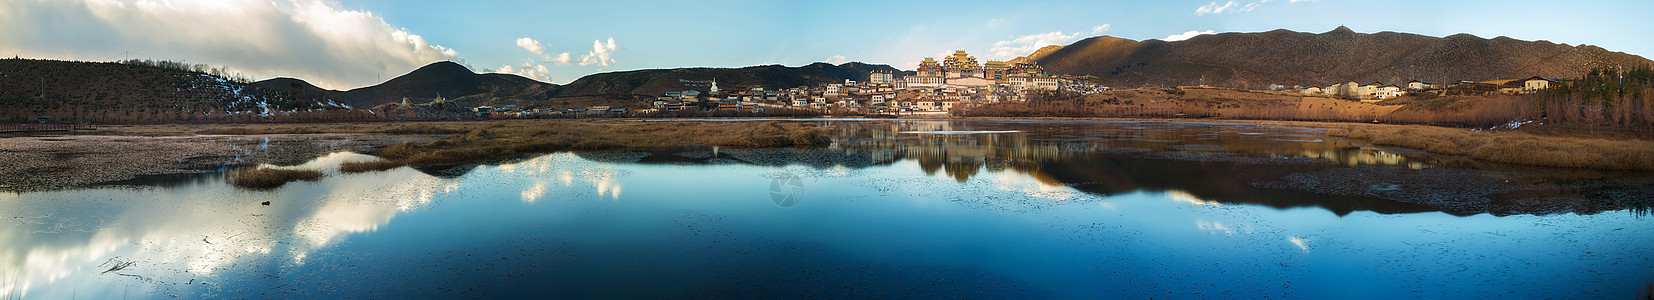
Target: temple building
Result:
[961, 64]
[995, 70]
[929, 67]
[1026, 68]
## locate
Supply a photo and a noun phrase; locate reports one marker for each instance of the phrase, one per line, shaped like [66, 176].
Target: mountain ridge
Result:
[1285, 57]
[457, 83]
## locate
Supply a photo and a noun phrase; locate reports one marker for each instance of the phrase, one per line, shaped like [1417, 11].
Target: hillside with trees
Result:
[140, 91]
[1289, 58]
[657, 81]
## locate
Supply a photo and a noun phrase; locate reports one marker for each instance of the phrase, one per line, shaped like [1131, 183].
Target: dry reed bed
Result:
[368, 166]
[1510, 147]
[271, 178]
[515, 139]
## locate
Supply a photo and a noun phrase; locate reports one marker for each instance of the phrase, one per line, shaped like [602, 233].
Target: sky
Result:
[345, 44]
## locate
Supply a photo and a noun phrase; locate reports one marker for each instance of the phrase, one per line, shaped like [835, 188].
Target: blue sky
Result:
[351, 43]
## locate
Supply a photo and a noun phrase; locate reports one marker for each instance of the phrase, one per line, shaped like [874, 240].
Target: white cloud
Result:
[1233, 7]
[1214, 8]
[309, 39]
[531, 45]
[837, 60]
[600, 55]
[561, 59]
[527, 69]
[1100, 29]
[1026, 44]
[1187, 35]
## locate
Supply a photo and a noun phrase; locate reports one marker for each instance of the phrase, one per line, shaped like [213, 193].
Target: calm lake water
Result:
[895, 209]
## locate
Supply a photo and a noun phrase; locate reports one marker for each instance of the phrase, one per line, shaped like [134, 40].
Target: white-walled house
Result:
[1368, 90]
[1388, 91]
[1536, 83]
[1343, 89]
[970, 81]
[1419, 85]
[1312, 90]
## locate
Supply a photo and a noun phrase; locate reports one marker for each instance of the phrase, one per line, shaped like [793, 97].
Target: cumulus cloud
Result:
[527, 69]
[310, 39]
[561, 59]
[1187, 35]
[531, 45]
[600, 55]
[1100, 29]
[1214, 8]
[1024, 45]
[837, 60]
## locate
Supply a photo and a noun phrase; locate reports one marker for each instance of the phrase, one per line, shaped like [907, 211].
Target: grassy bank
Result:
[271, 178]
[1510, 147]
[368, 166]
[466, 142]
[515, 139]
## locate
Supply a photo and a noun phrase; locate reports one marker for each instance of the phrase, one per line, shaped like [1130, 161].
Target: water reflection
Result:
[78, 237]
[1053, 208]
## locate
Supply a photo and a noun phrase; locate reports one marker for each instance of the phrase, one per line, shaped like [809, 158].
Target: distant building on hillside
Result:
[881, 77]
[1347, 89]
[961, 64]
[1419, 85]
[929, 67]
[923, 81]
[995, 70]
[1311, 90]
[969, 81]
[1388, 91]
[1536, 83]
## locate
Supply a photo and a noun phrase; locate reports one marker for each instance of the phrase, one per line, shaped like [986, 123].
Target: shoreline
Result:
[123, 152]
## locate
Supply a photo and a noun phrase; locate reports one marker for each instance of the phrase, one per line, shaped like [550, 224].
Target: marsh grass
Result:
[516, 139]
[368, 166]
[271, 178]
[1511, 147]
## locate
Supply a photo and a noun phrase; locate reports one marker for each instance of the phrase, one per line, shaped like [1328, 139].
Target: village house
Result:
[881, 77]
[1536, 83]
[1420, 85]
[1312, 90]
[1388, 91]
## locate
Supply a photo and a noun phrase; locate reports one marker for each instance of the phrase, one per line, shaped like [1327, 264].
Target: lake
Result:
[894, 209]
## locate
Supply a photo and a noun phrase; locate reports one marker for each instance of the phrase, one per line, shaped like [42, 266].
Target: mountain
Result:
[447, 79]
[1042, 52]
[140, 91]
[657, 81]
[1255, 60]
[466, 88]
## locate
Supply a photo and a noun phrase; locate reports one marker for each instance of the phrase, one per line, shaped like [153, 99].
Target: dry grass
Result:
[271, 178]
[1511, 147]
[368, 166]
[1193, 102]
[504, 140]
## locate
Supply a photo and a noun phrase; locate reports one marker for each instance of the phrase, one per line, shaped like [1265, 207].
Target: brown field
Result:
[271, 178]
[510, 139]
[1511, 147]
[1234, 104]
[1565, 145]
[368, 166]
[406, 127]
[480, 141]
